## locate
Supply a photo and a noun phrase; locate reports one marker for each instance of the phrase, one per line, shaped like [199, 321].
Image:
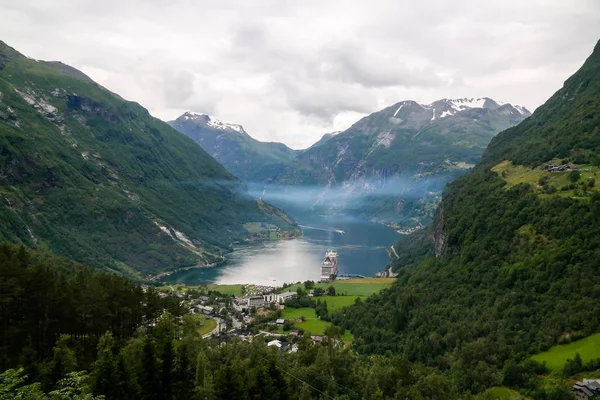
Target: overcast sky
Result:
[290, 71]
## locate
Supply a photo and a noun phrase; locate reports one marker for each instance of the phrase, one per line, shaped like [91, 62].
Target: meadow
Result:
[556, 357]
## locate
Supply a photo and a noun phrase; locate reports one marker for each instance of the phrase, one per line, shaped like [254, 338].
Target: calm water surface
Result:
[361, 246]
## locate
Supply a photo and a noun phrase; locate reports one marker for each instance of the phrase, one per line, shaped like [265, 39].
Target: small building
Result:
[589, 388]
[280, 321]
[284, 346]
[206, 310]
[317, 338]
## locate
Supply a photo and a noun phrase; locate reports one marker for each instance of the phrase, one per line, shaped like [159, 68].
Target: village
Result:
[255, 314]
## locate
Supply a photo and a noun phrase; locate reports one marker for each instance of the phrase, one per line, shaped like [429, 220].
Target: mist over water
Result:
[361, 248]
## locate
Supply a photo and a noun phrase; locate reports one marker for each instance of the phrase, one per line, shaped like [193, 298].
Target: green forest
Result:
[495, 299]
[516, 268]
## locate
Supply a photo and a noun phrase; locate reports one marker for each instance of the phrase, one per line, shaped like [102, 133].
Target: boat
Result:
[329, 266]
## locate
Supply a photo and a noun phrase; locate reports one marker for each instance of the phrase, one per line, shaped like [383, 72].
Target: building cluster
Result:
[589, 388]
[559, 168]
[263, 300]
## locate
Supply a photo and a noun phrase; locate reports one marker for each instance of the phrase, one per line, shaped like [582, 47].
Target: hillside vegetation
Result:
[91, 176]
[516, 268]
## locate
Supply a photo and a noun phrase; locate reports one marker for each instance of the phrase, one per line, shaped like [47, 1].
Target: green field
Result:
[555, 358]
[293, 313]
[208, 326]
[336, 303]
[311, 324]
[501, 393]
[516, 174]
[353, 287]
[235, 290]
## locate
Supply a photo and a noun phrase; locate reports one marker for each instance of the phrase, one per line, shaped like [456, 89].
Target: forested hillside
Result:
[70, 332]
[91, 176]
[517, 243]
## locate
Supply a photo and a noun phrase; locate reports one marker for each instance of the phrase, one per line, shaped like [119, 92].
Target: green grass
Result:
[555, 358]
[336, 303]
[517, 174]
[209, 324]
[312, 324]
[235, 290]
[501, 393]
[293, 313]
[315, 326]
[353, 287]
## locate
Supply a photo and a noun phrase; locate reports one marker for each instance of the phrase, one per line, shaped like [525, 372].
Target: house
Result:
[204, 299]
[280, 321]
[293, 334]
[587, 389]
[256, 301]
[206, 310]
[284, 346]
[274, 343]
[317, 338]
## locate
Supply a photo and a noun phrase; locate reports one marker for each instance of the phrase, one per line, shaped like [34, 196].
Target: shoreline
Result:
[247, 241]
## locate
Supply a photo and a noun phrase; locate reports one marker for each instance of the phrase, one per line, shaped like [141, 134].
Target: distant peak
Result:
[447, 107]
[212, 122]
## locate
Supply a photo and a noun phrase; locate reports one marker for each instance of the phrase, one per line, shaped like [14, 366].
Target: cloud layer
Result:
[292, 70]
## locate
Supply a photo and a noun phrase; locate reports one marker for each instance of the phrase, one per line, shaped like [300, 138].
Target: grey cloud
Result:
[291, 70]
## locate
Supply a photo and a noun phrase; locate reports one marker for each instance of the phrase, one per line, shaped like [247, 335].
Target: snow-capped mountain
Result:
[244, 156]
[447, 107]
[211, 122]
[401, 156]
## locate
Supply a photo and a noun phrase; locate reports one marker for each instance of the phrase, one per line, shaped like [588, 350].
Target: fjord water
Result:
[361, 246]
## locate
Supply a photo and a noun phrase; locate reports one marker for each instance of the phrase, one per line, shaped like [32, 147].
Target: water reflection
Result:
[361, 246]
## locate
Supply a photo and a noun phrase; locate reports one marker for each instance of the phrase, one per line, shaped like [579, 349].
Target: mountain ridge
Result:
[91, 176]
[409, 148]
[508, 267]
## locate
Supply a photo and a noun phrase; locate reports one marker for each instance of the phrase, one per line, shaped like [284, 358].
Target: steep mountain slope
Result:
[243, 156]
[390, 166]
[517, 243]
[93, 177]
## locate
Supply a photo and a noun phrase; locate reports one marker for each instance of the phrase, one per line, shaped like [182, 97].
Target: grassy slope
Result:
[519, 174]
[556, 357]
[86, 174]
[209, 324]
[311, 324]
[353, 287]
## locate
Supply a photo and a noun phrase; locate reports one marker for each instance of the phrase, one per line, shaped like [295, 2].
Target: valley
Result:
[422, 249]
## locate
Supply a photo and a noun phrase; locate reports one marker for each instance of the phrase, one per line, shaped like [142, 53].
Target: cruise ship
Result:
[329, 267]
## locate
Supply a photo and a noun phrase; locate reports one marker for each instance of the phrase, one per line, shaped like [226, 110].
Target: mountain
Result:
[325, 138]
[393, 164]
[510, 265]
[390, 166]
[88, 175]
[243, 156]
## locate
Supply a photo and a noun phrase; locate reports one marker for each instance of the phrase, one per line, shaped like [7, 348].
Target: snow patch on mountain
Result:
[212, 122]
[522, 110]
